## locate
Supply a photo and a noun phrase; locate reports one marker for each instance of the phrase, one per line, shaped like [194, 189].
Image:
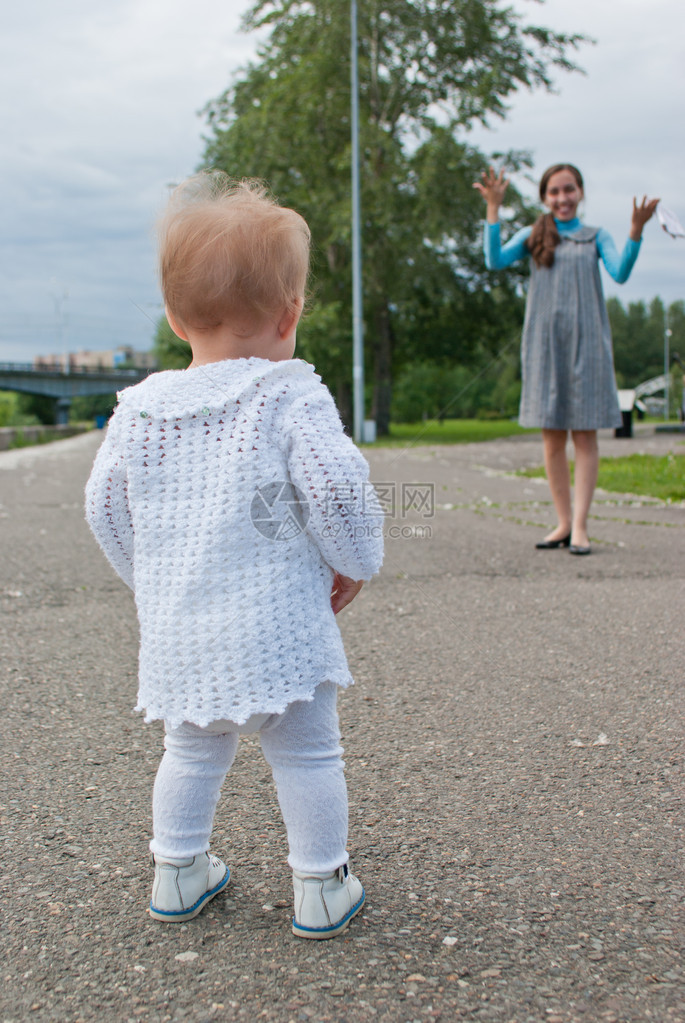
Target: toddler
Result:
[229, 499]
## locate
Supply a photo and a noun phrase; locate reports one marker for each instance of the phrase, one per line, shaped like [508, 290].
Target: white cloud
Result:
[101, 113]
[104, 115]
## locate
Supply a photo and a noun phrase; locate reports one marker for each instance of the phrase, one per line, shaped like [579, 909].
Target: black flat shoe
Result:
[550, 545]
[575, 549]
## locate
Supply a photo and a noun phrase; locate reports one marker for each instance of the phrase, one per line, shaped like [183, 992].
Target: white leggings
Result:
[302, 746]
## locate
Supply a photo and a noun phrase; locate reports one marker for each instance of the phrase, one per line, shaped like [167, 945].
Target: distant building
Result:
[113, 359]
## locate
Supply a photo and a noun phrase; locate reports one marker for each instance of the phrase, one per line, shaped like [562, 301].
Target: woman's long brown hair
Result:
[544, 237]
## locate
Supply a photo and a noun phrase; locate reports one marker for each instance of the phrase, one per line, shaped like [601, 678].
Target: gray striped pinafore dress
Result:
[567, 362]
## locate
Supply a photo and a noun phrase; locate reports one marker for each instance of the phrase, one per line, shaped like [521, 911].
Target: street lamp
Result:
[357, 313]
[667, 368]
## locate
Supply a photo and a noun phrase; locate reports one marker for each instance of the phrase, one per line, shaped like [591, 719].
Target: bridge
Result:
[65, 386]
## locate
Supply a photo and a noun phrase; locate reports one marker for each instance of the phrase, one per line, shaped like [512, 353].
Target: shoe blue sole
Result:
[321, 933]
[180, 915]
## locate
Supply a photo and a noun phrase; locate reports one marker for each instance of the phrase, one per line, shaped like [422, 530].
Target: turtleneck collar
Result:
[566, 226]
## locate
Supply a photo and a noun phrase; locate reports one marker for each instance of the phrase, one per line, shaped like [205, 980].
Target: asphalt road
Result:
[514, 759]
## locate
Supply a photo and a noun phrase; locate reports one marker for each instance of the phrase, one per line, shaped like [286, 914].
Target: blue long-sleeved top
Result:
[498, 256]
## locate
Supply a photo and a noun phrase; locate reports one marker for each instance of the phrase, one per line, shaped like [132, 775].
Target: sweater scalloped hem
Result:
[241, 714]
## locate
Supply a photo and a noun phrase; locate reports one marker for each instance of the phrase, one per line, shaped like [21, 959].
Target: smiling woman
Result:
[567, 369]
[561, 189]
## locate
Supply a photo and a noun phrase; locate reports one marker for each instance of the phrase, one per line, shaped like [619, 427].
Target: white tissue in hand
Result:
[669, 221]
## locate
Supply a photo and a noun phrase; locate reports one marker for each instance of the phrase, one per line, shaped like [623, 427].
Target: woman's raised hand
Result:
[492, 187]
[641, 214]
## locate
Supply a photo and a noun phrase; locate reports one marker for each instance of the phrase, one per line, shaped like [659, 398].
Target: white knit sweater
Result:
[191, 498]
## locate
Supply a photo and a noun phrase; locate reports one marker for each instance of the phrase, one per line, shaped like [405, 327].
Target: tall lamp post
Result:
[667, 369]
[357, 314]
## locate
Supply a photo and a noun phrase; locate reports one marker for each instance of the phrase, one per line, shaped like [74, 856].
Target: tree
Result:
[676, 324]
[37, 408]
[428, 70]
[169, 350]
[92, 406]
[8, 407]
[638, 337]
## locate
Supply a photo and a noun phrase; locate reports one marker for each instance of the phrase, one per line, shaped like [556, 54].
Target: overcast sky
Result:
[101, 113]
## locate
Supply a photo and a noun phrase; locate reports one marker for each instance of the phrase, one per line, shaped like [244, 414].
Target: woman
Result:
[566, 354]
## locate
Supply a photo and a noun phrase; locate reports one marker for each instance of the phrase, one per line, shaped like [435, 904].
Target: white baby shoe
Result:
[182, 888]
[325, 903]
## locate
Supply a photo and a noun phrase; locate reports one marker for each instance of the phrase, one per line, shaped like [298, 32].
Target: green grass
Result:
[20, 440]
[46, 436]
[451, 431]
[661, 476]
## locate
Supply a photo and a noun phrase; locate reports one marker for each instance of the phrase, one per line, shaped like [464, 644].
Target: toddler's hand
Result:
[344, 591]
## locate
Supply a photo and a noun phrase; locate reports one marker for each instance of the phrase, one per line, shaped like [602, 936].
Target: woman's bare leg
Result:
[585, 481]
[558, 477]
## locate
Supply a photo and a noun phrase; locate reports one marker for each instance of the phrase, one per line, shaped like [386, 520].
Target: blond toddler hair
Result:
[228, 253]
